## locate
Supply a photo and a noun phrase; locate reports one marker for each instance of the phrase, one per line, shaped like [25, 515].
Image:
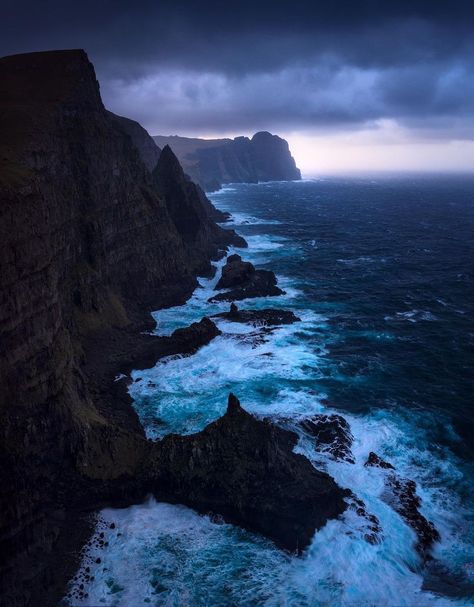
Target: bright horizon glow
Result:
[387, 147]
[339, 153]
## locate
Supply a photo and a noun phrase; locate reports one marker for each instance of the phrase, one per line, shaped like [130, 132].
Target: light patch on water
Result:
[412, 316]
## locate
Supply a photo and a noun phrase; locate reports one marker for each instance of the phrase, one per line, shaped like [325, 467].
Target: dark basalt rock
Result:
[191, 219]
[146, 146]
[245, 281]
[196, 335]
[212, 212]
[333, 435]
[401, 495]
[378, 462]
[371, 529]
[267, 318]
[235, 273]
[245, 469]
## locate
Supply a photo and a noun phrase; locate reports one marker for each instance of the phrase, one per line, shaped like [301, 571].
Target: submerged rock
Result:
[245, 469]
[245, 281]
[400, 494]
[266, 317]
[333, 435]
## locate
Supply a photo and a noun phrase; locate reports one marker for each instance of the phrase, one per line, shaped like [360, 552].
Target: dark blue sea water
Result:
[380, 271]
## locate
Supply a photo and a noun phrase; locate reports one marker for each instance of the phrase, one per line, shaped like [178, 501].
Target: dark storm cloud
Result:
[217, 66]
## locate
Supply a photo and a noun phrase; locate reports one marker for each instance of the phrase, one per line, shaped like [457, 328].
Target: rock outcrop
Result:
[268, 317]
[190, 218]
[400, 494]
[213, 162]
[245, 470]
[332, 435]
[244, 281]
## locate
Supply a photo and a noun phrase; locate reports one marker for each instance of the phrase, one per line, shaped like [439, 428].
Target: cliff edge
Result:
[88, 245]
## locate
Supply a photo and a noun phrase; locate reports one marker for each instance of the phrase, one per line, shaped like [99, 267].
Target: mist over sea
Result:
[380, 272]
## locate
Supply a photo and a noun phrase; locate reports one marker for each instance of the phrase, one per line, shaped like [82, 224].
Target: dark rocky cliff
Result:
[144, 143]
[87, 244]
[91, 241]
[211, 163]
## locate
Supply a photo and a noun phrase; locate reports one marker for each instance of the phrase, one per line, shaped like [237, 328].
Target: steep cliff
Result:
[87, 245]
[213, 162]
[144, 143]
[91, 241]
[184, 202]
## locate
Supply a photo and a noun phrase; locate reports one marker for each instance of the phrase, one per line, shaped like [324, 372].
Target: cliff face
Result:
[211, 163]
[144, 143]
[188, 208]
[87, 244]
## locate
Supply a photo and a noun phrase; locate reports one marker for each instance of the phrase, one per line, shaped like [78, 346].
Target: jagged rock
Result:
[333, 435]
[376, 461]
[235, 273]
[245, 469]
[400, 494]
[184, 204]
[266, 317]
[245, 281]
[371, 529]
[212, 212]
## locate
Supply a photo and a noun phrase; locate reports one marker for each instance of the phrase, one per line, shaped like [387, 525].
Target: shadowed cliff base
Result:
[90, 245]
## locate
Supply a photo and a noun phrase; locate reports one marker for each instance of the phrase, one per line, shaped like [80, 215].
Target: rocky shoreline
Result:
[95, 239]
[235, 441]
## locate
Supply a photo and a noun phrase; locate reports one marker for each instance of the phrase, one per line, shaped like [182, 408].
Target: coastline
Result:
[108, 354]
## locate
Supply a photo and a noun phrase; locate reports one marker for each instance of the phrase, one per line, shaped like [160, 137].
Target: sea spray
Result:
[364, 348]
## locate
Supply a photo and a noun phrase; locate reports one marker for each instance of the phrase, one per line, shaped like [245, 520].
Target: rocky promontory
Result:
[245, 469]
[213, 162]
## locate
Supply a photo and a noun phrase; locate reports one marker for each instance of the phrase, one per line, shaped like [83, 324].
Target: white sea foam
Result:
[169, 555]
[413, 316]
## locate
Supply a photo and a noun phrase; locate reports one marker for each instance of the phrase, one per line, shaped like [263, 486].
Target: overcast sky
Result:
[352, 84]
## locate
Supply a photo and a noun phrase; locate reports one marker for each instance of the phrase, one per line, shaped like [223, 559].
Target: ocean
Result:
[380, 270]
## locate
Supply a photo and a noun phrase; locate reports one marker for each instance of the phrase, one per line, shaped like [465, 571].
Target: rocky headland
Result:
[213, 162]
[90, 244]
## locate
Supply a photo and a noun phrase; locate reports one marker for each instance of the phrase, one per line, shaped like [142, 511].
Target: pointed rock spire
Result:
[233, 404]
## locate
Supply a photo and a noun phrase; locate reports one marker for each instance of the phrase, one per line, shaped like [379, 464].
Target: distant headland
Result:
[213, 162]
